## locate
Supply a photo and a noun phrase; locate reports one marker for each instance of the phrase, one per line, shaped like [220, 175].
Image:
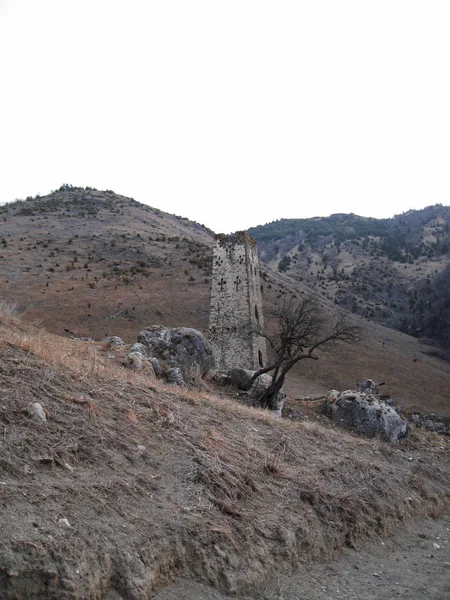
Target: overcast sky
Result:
[231, 113]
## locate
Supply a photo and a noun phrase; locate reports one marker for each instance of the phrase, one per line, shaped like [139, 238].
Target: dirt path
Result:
[412, 565]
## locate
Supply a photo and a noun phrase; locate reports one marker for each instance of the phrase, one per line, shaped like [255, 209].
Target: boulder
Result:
[366, 414]
[175, 376]
[260, 384]
[137, 347]
[136, 360]
[180, 347]
[242, 379]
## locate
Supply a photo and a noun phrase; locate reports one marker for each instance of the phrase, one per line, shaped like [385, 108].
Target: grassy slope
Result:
[115, 295]
[156, 481]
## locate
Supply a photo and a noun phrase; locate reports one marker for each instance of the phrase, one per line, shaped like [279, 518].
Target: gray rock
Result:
[136, 360]
[37, 412]
[156, 366]
[114, 340]
[175, 376]
[137, 347]
[180, 347]
[261, 384]
[241, 378]
[365, 413]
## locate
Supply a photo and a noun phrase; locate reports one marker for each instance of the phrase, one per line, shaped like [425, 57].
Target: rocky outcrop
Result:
[180, 347]
[366, 413]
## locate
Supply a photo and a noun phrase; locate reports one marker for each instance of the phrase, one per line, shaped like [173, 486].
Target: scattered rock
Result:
[242, 380]
[261, 384]
[175, 376]
[64, 523]
[156, 366]
[114, 340]
[431, 422]
[137, 347]
[135, 360]
[37, 412]
[365, 413]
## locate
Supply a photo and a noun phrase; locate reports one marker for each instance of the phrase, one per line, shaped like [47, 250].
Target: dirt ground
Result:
[130, 484]
[413, 564]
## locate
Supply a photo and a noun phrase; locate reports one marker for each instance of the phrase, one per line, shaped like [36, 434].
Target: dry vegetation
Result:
[130, 483]
[93, 263]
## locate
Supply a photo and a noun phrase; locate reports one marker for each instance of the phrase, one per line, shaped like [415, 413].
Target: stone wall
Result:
[236, 304]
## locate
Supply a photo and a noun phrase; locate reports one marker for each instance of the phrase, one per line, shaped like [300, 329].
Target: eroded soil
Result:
[413, 564]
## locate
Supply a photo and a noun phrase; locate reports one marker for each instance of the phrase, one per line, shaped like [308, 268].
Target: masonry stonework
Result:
[236, 304]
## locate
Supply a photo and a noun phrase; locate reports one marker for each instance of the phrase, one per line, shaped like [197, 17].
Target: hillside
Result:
[392, 271]
[129, 484]
[94, 263]
[89, 263]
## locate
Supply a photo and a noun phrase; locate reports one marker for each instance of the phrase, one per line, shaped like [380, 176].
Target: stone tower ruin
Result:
[236, 304]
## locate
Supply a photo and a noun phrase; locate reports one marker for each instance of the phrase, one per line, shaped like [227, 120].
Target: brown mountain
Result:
[91, 263]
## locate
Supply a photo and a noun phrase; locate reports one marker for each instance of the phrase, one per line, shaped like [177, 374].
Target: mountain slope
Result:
[129, 483]
[92, 263]
[393, 271]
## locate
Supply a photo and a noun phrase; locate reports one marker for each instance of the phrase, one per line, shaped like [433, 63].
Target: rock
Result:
[156, 366]
[175, 376]
[136, 360]
[180, 347]
[137, 347]
[222, 379]
[63, 522]
[114, 340]
[259, 386]
[37, 412]
[241, 378]
[365, 413]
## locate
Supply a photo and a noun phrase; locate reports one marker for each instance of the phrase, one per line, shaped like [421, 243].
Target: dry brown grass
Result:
[180, 480]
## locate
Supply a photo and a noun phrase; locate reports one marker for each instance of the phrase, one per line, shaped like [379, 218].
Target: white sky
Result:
[231, 113]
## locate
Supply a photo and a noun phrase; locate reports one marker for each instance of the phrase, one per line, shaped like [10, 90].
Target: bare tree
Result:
[302, 329]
